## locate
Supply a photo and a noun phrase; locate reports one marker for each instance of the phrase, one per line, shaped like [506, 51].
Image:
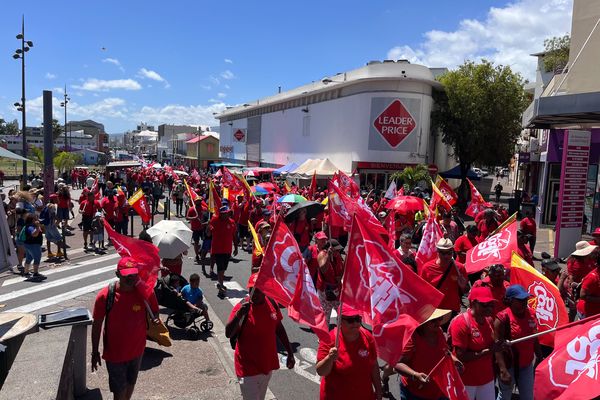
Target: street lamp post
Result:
[20, 53]
[64, 104]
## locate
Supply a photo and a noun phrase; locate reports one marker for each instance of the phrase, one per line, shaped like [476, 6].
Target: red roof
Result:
[198, 139]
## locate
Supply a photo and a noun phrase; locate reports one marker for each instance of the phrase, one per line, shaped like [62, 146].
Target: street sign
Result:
[395, 123]
[239, 135]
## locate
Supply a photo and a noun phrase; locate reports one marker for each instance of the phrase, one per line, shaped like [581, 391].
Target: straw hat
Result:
[439, 313]
[583, 248]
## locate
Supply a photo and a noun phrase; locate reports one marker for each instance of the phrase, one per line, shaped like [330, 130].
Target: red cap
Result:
[596, 232]
[53, 196]
[482, 294]
[127, 266]
[252, 280]
[348, 311]
[320, 235]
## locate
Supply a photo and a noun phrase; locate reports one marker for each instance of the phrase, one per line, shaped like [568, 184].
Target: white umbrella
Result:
[157, 166]
[179, 172]
[171, 237]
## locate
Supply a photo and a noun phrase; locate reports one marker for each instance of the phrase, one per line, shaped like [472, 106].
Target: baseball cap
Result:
[550, 264]
[320, 235]
[53, 196]
[348, 311]
[482, 294]
[517, 292]
[224, 209]
[596, 232]
[127, 266]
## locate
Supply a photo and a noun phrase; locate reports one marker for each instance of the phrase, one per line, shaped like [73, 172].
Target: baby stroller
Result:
[180, 315]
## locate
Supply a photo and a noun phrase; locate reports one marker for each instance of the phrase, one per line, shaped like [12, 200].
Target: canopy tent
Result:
[9, 154]
[285, 169]
[149, 134]
[454, 173]
[323, 168]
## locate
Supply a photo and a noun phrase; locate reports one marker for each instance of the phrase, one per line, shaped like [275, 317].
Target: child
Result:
[193, 295]
[98, 232]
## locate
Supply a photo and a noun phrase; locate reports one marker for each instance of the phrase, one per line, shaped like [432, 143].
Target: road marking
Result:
[50, 301]
[233, 285]
[308, 354]
[300, 368]
[59, 282]
[71, 267]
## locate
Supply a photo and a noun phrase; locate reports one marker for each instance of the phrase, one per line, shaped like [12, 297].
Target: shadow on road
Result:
[153, 358]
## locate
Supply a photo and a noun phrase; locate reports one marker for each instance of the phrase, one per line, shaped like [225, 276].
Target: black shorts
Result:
[222, 261]
[120, 375]
[243, 230]
[87, 222]
[196, 236]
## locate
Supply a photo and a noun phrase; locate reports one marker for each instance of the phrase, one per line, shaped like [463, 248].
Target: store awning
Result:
[285, 169]
[13, 156]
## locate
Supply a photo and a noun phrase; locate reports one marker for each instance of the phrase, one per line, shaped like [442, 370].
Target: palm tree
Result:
[411, 176]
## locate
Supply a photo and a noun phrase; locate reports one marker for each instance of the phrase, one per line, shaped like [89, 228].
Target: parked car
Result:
[477, 172]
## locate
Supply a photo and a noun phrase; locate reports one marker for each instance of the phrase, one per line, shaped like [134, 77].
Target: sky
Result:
[179, 62]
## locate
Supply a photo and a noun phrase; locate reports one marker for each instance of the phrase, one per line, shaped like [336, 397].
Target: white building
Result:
[374, 119]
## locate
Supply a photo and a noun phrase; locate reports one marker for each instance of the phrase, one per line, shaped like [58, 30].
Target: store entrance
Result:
[374, 180]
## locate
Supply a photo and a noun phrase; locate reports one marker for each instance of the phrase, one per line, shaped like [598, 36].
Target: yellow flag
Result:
[135, 197]
[225, 193]
[288, 189]
[258, 251]
[211, 197]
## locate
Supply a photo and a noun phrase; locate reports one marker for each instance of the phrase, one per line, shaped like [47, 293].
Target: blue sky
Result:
[178, 62]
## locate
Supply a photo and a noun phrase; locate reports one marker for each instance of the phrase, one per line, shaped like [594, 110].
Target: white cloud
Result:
[221, 95]
[155, 76]
[215, 81]
[228, 61]
[227, 74]
[507, 36]
[115, 62]
[111, 107]
[206, 87]
[50, 75]
[226, 86]
[58, 90]
[98, 85]
[179, 114]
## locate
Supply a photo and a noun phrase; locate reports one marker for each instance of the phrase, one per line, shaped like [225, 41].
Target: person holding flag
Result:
[465, 243]
[255, 323]
[223, 232]
[198, 220]
[348, 366]
[515, 363]
[497, 283]
[88, 209]
[329, 276]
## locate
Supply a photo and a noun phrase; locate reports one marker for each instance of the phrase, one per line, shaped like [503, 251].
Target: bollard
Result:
[131, 226]
[79, 340]
[64, 240]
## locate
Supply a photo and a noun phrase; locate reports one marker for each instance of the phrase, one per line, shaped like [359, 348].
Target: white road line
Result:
[233, 285]
[59, 282]
[27, 308]
[71, 267]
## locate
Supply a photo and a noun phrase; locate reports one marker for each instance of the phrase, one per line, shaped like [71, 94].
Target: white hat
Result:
[444, 244]
[583, 248]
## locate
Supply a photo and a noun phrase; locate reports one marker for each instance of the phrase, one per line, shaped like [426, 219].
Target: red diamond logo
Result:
[395, 123]
[239, 135]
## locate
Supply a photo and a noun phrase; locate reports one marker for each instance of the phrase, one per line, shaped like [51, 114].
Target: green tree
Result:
[8, 128]
[36, 154]
[65, 161]
[557, 53]
[479, 114]
[411, 176]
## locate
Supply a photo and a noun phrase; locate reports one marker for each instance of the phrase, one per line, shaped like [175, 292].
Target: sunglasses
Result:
[351, 320]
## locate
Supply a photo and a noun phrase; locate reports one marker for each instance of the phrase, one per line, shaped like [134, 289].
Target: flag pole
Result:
[560, 328]
[437, 365]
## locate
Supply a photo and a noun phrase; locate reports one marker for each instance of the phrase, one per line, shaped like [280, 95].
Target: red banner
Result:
[348, 185]
[140, 204]
[477, 203]
[446, 190]
[448, 379]
[496, 249]
[432, 233]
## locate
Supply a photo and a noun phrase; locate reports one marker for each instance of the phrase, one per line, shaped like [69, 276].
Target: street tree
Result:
[411, 176]
[8, 128]
[479, 115]
[557, 53]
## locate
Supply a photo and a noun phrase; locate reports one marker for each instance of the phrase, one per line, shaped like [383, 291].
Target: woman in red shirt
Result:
[582, 260]
[329, 276]
[472, 336]
[350, 370]
[465, 243]
[515, 322]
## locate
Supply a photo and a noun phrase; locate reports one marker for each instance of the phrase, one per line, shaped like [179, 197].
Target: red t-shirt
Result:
[521, 327]
[591, 284]
[89, 209]
[413, 356]
[256, 349]
[497, 292]
[335, 270]
[301, 231]
[122, 211]
[109, 207]
[195, 219]
[528, 226]
[432, 273]
[350, 377]
[63, 201]
[463, 243]
[244, 214]
[472, 336]
[312, 263]
[485, 229]
[579, 268]
[126, 329]
[223, 232]
[525, 253]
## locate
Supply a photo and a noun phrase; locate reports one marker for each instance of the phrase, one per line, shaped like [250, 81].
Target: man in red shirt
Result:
[446, 275]
[487, 225]
[256, 323]
[522, 247]
[195, 217]
[224, 237]
[108, 204]
[529, 227]
[465, 243]
[124, 329]
[88, 209]
[497, 284]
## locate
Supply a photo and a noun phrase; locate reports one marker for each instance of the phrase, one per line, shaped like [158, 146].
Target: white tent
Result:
[8, 253]
[323, 168]
[13, 156]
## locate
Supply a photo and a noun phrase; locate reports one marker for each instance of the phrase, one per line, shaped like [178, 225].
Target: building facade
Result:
[374, 120]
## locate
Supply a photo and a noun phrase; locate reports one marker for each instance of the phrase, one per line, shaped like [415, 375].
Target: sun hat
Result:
[127, 266]
[583, 248]
[550, 264]
[517, 292]
[262, 225]
[444, 244]
[482, 294]
[320, 235]
[439, 313]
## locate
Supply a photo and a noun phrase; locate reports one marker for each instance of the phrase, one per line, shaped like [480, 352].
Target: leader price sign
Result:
[393, 121]
[239, 135]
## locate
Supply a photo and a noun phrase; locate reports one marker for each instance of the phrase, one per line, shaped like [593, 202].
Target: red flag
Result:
[438, 199]
[390, 224]
[446, 190]
[432, 233]
[96, 189]
[342, 208]
[284, 276]
[496, 249]
[446, 376]
[144, 253]
[313, 186]
[477, 203]
[392, 298]
[572, 371]
[231, 181]
[191, 193]
[549, 307]
[401, 191]
[348, 185]
[140, 205]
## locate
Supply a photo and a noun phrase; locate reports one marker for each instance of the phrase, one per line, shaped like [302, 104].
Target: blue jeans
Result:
[33, 252]
[525, 384]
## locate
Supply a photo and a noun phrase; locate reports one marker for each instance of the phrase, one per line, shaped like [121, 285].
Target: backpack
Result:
[110, 301]
[23, 234]
[45, 216]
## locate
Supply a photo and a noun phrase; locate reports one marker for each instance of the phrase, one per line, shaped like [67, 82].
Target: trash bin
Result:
[514, 205]
[73, 316]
